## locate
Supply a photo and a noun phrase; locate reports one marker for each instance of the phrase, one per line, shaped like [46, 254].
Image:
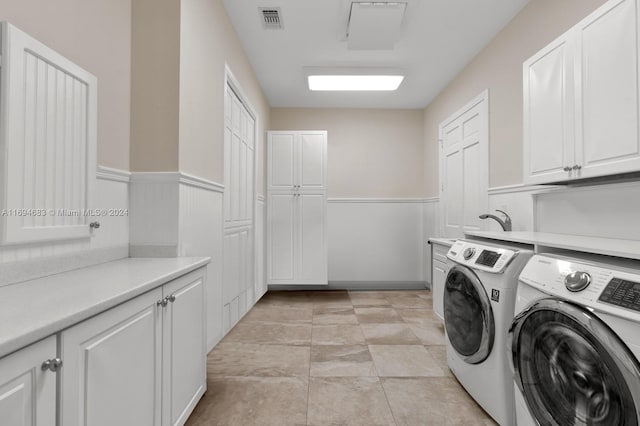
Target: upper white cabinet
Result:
[581, 99]
[296, 208]
[297, 160]
[27, 390]
[48, 130]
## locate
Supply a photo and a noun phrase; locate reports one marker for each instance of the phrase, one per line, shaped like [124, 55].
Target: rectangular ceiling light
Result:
[354, 82]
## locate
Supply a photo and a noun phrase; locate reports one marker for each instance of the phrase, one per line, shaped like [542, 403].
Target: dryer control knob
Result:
[468, 253]
[577, 281]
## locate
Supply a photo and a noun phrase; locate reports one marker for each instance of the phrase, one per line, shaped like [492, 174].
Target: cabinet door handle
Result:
[54, 365]
[162, 302]
[577, 167]
[567, 169]
[171, 298]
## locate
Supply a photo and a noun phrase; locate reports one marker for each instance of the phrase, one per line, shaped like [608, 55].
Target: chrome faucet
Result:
[506, 223]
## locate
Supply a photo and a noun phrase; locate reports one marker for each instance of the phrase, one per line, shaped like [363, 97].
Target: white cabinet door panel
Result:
[608, 100]
[281, 153]
[312, 161]
[281, 234]
[548, 113]
[312, 231]
[28, 394]
[184, 351]
[112, 366]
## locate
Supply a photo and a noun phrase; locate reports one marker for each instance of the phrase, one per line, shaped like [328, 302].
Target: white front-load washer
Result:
[479, 300]
[575, 342]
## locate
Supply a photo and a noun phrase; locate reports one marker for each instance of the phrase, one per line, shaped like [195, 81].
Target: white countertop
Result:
[629, 249]
[33, 310]
[442, 241]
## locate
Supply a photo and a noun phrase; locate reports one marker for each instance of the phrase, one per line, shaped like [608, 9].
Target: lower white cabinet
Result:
[439, 271]
[27, 391]
[140, 363]
[184, 374]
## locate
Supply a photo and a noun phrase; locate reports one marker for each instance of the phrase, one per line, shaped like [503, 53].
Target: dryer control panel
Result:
[482, 257]
[612, 289]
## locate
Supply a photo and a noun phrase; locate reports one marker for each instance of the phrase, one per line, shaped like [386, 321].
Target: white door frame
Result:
[481, 101]
[232, 82]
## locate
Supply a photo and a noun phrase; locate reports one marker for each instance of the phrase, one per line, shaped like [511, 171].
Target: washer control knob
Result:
[577, 281]
[468, 253]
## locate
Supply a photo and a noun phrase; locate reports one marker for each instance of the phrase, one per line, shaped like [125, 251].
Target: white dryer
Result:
[575, 342]
[479, 300]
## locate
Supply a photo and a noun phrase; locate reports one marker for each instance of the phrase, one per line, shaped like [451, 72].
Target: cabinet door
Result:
[184, 351]
[281, 161]
[28, 394]
[312, 160]
[548, 138]
[438, 278]
[281, 235]
[607, 95]
[312, 241]
[112, 366]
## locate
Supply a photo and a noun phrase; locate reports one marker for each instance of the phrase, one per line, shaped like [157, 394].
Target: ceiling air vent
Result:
[271, 18]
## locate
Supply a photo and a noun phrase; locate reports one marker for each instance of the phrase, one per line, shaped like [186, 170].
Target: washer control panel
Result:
[623, 293]
[609, 288]
[478, 256]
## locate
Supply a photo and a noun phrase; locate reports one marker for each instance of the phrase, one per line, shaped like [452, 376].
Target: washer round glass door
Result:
[468, 317]
[571, 367]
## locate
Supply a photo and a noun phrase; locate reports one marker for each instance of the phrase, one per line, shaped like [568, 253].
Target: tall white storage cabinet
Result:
[297, 208]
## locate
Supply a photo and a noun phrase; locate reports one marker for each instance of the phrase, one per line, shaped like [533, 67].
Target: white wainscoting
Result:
[200, 234]
[606, 210]
[431, 228]
[376, 240]
[154, 214]
[109, 242]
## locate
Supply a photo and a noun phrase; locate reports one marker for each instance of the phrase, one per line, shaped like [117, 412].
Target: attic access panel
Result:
[375, 25]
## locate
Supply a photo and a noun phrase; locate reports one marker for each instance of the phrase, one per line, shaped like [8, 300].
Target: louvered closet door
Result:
[239, 196]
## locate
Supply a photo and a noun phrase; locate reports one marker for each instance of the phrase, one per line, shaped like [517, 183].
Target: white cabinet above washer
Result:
[581, 99]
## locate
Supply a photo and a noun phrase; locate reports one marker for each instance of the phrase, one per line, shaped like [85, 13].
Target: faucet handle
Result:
[507, 219]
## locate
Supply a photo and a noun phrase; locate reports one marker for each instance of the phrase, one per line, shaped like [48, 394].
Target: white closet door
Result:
[239, 200]
[464, 168]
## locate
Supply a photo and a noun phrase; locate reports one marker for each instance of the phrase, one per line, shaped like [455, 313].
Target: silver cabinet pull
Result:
[577, 167]
[162, 302]
[54, 365]
[567, 169]
[171, 298]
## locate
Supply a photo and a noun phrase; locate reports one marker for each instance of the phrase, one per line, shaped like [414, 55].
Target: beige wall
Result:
[207, 42]
[498, 67]
[155, 73]
[97, 36]
[371, 153]
[180, 49]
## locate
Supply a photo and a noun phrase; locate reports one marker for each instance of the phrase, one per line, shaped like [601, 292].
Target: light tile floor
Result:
[335, 358]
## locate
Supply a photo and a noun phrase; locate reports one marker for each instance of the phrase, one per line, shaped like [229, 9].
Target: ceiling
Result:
[437, 39]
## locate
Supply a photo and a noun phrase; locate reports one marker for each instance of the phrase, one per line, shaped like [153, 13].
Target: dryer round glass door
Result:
[571, 368]
[468, 317]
